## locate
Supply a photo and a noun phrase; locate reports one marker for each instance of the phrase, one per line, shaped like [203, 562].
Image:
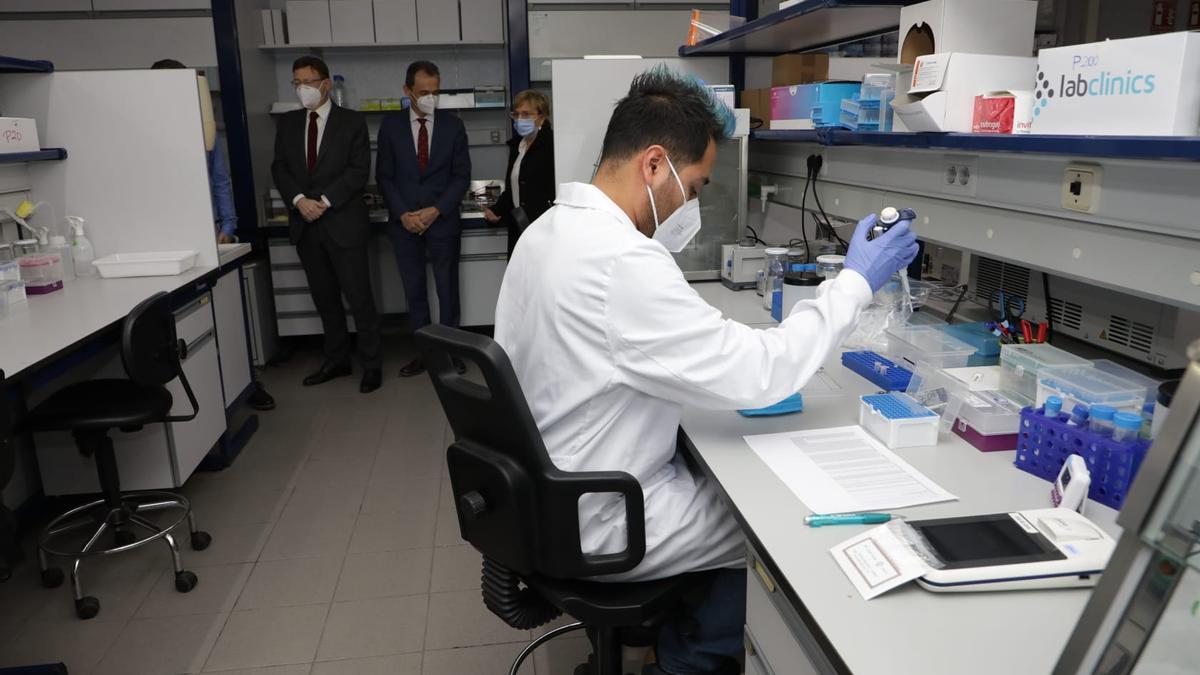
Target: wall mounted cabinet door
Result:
[395, 21]
[482, 20]
[437, 21]
[45, 6]
[127, 5]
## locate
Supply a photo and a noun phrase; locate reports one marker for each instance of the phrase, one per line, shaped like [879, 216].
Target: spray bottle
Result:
[81, 248]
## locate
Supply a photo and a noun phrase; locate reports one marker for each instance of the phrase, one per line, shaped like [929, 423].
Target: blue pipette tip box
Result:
[878, 370]
[897, 407]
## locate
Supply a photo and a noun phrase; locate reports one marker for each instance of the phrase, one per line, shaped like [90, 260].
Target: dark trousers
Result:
[332, 271]
[715, 642]
[440, 247]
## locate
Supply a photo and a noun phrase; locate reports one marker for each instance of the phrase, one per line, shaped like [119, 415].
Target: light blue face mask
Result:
[526, 127]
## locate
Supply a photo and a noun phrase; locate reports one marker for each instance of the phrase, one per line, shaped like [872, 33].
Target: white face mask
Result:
[310, 97]
[678, 230]
[427, 103]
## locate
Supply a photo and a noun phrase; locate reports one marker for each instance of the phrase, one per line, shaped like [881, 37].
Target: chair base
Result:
[119, 520]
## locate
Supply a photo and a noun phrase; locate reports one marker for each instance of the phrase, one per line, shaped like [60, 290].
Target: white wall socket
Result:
[959, 177]
[1081, 187]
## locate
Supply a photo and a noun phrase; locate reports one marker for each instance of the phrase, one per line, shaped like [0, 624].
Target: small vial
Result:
[1126, 426]
[1053, 406]
[1147, 422]
[1102, 419]
[1079, 415]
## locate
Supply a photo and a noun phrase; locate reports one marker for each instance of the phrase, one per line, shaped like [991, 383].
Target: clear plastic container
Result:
[1101, 419]
[925, 344]
[1126, 427]
[829, 266]
[898, 421]
[991, 413]
[6, 252]
[1019, 366]
[10, 271]
[1090, 386]
[41, 272]
[1114, 368]
[773, 270]
[987, 345]
[12, 293]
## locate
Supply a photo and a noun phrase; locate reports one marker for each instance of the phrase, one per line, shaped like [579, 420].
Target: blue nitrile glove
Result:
[878, 259]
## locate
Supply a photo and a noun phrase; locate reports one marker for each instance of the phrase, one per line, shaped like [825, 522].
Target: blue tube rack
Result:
[1045, 443]
[894, 377]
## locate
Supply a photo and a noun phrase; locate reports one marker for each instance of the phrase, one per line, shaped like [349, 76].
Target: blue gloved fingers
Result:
[864, 227]
[910, 255]
[901, 229]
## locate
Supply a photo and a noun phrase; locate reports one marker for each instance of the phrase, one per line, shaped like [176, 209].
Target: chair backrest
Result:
[521, 219]
[151, 351]
[514, 505]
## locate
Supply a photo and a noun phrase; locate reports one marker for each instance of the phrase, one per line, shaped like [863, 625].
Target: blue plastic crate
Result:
[880, 371]
[986, 344]
[1044, 444]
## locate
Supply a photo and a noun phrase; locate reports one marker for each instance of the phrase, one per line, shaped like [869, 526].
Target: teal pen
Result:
[818, 520]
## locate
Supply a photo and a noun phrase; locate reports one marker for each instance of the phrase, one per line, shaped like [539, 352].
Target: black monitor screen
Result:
[985, 540]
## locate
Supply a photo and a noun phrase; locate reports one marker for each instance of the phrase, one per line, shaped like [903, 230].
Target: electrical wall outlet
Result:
[1081, 187]
[959, 177]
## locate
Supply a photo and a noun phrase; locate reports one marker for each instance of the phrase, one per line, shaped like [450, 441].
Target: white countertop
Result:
[227, 253]
[907, 630]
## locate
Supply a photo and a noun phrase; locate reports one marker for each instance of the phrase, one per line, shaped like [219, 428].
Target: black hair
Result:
[311, 62]
[167, 64]
[427, 67]
[665, 108]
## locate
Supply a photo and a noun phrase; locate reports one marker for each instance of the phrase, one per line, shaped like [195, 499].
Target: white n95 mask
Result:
[427, 104]
[678, 230]
[310, 97]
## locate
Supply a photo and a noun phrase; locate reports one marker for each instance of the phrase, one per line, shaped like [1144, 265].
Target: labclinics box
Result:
[941, 96]
[792, 107]
[1141, 86]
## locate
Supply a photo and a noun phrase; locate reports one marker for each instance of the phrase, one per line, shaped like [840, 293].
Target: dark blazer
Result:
[537, 177]
[343, 168]
[446, 177]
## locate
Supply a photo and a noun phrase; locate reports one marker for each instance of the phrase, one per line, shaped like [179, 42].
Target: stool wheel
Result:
[124, 537]
[185, 581]
[52, 578]
[87, 607]
[200, 540]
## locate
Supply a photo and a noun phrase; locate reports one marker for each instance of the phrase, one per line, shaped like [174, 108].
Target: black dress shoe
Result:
[371, 380]
[260, 399]
[459, 366]
[414, 367]
[329, 370]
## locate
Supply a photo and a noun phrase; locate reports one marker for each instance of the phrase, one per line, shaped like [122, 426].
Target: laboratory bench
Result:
[803, 614]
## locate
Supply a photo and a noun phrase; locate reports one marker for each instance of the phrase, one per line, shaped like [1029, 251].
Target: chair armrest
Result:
[570, 486]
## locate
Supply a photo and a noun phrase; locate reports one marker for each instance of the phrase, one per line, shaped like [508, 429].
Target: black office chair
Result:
[151, 354]
[521, 512]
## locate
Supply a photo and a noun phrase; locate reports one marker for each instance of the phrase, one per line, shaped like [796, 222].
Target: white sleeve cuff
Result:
[297, 199]
[856, 284]
[325, 201]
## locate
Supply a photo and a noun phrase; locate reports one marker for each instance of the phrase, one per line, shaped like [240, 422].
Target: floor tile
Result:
[385, 574]
[268, 637]
[485, 660]
[447, 530]
[562, 654]
[354, 418]
[374, 627]
[120, 591]
[338, 497]
[456, 568]
[460, 619]
[393, 464]
[78, 644]
[317, 473]
[163, 645]
[340, 446]
[388, 495]
[396, 664]
[297, 581]
[392, 532]
[230, 544]
[216, 592]
[299, 669]
[216, 508]
[309, 536]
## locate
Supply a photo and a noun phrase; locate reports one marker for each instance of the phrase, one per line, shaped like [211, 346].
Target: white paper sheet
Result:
[877, 561]
[844, 469]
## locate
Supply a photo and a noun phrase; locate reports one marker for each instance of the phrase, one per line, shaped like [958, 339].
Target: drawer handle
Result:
[196, 344]
[766, 579]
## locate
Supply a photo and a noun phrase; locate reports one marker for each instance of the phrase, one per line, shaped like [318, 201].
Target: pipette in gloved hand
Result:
[887, 218]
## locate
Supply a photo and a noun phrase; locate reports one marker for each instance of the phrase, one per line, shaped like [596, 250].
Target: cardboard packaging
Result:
[725, 93]
[308, 22]
[1003, 112]
[1004, 27]
[1147, 86]
[758, 102]
[396, 21]
[789, 69]
[941, 94]
[18, 134]
[352, 21]
[792, 107]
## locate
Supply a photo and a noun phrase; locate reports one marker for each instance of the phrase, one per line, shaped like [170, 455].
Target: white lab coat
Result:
[609, 341]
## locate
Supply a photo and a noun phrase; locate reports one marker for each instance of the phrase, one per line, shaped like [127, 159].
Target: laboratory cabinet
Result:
[772, 646]
[482, 20]
[229, 311]
[14, 6]
[148, 5]
[395, 21]
[159, 456]
[437, 21]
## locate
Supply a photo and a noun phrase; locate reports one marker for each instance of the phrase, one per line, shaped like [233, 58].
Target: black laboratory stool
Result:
[91, 410]
[521, 512]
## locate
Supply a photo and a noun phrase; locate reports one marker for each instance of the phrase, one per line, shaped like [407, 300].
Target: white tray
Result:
[149, 264]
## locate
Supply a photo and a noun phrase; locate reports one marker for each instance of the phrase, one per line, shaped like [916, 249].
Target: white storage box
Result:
[352, 21]
[1147, 86]
[395, 21]
[308, 22]
[1090, 386]
[941, 94]
[1004, 27]
[18, 134]
[898, 421]
[150, 264]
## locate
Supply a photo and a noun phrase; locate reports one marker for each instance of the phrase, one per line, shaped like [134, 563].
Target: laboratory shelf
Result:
[805, 26]
[379, 46]
[1127, 147]
[9, 64]
[44, 155]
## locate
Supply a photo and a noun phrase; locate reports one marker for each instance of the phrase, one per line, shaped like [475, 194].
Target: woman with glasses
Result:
[530, 175]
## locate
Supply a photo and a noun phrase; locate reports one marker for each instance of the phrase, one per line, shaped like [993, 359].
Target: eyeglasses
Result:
[310, 83]
[523, 115]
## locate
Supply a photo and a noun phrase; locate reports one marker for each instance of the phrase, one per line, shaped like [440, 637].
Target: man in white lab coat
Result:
[609, 342]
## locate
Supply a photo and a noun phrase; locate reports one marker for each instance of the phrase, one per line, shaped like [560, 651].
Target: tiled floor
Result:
[335, 552]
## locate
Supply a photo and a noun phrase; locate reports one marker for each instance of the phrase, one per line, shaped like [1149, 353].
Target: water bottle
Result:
[774, 256]
[776, 265]
[1053, 407]
[338, 93]
[1102, 419]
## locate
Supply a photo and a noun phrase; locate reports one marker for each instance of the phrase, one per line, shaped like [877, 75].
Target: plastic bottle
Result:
[773, 273]
[1126, 426]
[1053, 406]
[338, 93]
[1102, 419]
[1079, 415]
[81, 249]
[59, 245]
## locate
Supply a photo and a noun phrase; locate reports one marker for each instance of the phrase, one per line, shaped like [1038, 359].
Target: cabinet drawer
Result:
[486, 241]
[288, 278]
[191, 441]
[194, 319]
[283, 254]
[777, 645]
[754, 658]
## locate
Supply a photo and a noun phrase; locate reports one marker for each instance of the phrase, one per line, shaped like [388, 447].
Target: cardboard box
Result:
[279, 27]
[352, 21]
[1004, 27]
[789, 69]
[18, 134]
[792, 107]
[724, 93]
[1003, 112]
[1147, 86]
[268, 28]
[941, 94]
[396, 21]
[308, 22]
[758, 102]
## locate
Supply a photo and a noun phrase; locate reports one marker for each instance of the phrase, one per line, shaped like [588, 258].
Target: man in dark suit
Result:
[322, 162]
[423, 170]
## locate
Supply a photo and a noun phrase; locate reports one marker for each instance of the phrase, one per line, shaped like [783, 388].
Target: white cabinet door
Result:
[120, 5]
[45, 6]
[482, 20]
[231, 335]
[192, 440]
[437, 21]
[396, 21]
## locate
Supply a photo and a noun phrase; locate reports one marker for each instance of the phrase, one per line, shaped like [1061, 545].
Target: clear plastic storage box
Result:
[988, 420]
[1114, 368]
[10, 271]
[1019, 366]
[898, 421]
[1090, 386]
[911, 345]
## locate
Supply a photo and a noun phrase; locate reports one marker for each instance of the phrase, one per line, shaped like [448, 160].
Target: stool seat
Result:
[600, 603]
[100, 404]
